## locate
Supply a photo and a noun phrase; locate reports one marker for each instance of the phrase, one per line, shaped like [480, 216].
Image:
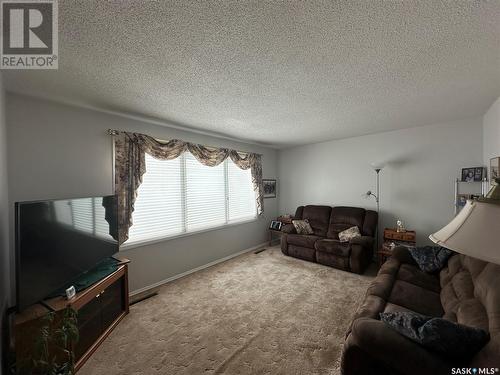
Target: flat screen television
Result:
[59, 240]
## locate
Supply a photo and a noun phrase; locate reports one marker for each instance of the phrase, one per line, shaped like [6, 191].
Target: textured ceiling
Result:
[277, 72]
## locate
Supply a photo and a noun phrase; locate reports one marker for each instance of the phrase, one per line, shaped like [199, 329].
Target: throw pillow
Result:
[302, 226]
[430, 258]
[443, 336]
[349, 234]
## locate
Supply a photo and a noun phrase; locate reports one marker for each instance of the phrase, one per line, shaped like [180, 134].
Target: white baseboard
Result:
[175, 277]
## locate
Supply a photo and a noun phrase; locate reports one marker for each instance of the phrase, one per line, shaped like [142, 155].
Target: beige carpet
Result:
[255, 314]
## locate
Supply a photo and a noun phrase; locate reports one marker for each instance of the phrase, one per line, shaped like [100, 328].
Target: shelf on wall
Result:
[484, 190]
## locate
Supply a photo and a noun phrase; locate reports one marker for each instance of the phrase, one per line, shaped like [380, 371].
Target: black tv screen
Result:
[59, 240]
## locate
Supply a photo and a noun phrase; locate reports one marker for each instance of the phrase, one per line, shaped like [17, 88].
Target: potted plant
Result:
[52, 351]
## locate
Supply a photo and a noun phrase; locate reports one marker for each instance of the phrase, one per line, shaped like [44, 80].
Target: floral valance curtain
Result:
[130, 166]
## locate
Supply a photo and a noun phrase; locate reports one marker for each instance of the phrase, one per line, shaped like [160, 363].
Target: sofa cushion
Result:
[343, 218]
[304, 240]
[413, 275]
[416, 298]
[473, 314]
[440, 335]
[374, 348]
[331, 246]
[318, 217]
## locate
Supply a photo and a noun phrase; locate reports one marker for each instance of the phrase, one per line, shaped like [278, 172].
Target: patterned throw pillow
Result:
[302, 226]
[443, 336]
[430, 258]
[349, 234]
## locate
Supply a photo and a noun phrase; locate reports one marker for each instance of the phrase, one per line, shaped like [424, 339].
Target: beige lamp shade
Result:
[475, 231]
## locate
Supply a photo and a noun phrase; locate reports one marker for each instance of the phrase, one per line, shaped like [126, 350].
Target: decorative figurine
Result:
[401, 227]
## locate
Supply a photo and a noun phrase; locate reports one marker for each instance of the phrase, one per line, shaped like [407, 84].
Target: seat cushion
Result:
[413, 275]
[416, 298]
[334, 247]
[303, 240]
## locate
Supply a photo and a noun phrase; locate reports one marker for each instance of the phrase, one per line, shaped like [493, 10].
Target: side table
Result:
[393, 238]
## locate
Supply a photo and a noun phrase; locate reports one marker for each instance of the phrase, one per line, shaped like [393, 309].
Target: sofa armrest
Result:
[288, 229]
[361, 253]
[402, 254]
[391, 349]
[364, 241]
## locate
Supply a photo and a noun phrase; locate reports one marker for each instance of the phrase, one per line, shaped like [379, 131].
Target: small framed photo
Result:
[479, 174]
[269, 188]
[473, 174]
[494, 170]
[468, 174]
[275, 225]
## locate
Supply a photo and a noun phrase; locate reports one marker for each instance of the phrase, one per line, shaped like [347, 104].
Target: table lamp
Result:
[475, 230]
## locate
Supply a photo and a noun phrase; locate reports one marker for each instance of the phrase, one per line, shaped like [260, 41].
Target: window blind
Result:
[206, 195]
[241, 194]
[182, 195]
[159, 205]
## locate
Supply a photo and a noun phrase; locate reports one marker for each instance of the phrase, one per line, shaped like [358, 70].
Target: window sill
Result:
[125, 247]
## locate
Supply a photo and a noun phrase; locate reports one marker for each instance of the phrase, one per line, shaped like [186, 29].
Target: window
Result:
[205, 194]
[158, 209]
[182, 195]
[241, 197]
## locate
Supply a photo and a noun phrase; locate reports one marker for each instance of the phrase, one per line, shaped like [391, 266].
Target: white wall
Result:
[416, 185]
[491, 133]
[60, 151]
[4, 223]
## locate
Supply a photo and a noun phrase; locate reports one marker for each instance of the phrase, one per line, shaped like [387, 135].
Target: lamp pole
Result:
[377, 199]
[377, 168]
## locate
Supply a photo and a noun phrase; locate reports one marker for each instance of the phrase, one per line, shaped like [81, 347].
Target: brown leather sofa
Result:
[467, 291]
[324, 246]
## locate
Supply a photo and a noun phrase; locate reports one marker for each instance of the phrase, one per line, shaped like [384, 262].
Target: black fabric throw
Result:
[430, 258]
[453, 340]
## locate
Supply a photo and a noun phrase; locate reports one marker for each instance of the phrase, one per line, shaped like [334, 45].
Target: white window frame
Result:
[185, 233]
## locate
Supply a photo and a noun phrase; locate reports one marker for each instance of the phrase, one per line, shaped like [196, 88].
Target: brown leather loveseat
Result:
[323, 246]
[466, 291]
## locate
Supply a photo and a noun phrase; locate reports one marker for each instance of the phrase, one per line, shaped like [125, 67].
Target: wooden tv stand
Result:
[100, 308]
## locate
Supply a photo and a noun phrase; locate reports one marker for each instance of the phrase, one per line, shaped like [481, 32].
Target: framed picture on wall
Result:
[269, 188]
[473, 174]
[494, 169]
[468, 174]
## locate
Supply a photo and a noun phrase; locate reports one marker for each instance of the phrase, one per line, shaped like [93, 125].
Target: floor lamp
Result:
[377, 168]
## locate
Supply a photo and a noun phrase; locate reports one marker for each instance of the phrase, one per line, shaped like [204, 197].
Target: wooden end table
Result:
[393, 238]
